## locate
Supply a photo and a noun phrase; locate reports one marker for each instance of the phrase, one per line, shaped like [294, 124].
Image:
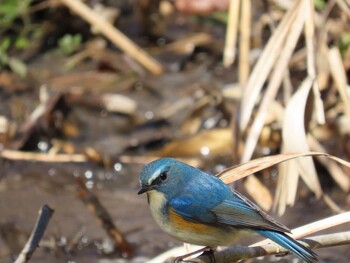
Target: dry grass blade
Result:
[311, 60]
[274, 84]
[335, 171]
[320, 225]
[288, 177]
[294, 140]
[231, 33]
[117, 37]
[265, 63]
[339, 160]
[240, 171]
[339, 76]
[244, 45]
[332, 204]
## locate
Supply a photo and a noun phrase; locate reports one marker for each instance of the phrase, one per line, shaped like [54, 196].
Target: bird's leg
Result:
[206, 251]
[210, 253]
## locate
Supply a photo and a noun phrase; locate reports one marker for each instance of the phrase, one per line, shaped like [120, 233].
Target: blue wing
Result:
[199, 197]
[239, 211]
[210, 201]
[215, 203]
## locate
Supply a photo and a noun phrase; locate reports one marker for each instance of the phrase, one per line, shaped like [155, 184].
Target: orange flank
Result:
[180, 223]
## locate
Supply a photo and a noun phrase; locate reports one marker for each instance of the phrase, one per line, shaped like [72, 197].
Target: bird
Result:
[198, 208]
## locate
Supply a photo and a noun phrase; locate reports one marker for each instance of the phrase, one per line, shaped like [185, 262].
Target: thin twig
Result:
[42, 157]
[14, 155]
[45, 214]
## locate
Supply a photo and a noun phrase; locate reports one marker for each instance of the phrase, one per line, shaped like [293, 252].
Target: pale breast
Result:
[157, 203]
[186, 231]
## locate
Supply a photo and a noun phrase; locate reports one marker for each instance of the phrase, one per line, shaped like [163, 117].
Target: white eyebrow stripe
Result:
[153, 176]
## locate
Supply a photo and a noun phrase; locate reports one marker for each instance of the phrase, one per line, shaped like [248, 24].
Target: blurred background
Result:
[91, 91]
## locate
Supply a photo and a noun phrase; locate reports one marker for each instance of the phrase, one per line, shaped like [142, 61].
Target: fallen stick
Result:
[42, 157]
[45, 214]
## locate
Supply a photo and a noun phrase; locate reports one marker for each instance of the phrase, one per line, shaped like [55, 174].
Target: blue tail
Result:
[289, 243]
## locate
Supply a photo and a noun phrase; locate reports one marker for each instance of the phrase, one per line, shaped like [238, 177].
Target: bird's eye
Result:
[163, 176]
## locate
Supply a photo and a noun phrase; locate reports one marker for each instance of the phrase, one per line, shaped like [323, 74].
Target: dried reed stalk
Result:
[231, 33]
[294, 29]
[244, 44]
[309, 30]
[265, 63]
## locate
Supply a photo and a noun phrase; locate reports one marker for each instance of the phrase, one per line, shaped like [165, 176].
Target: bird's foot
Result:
[280, 253]
[205, 251]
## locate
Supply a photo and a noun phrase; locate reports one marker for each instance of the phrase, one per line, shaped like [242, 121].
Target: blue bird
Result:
[198, 208]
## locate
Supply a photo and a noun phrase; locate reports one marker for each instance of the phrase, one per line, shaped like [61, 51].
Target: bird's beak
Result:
[144, 189]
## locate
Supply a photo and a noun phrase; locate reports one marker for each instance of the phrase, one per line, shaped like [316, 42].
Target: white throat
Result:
[157, 202]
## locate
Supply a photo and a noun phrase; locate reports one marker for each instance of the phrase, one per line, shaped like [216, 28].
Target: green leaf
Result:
[5, 44]
[344, 42]
[4, 58]
[220, 16]
[22, 42]
[8, 12]
[69, 43]
[11, 9]
[320, 4]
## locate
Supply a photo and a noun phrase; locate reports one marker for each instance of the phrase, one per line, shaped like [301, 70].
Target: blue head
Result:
[171, 177]
[165, 175]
